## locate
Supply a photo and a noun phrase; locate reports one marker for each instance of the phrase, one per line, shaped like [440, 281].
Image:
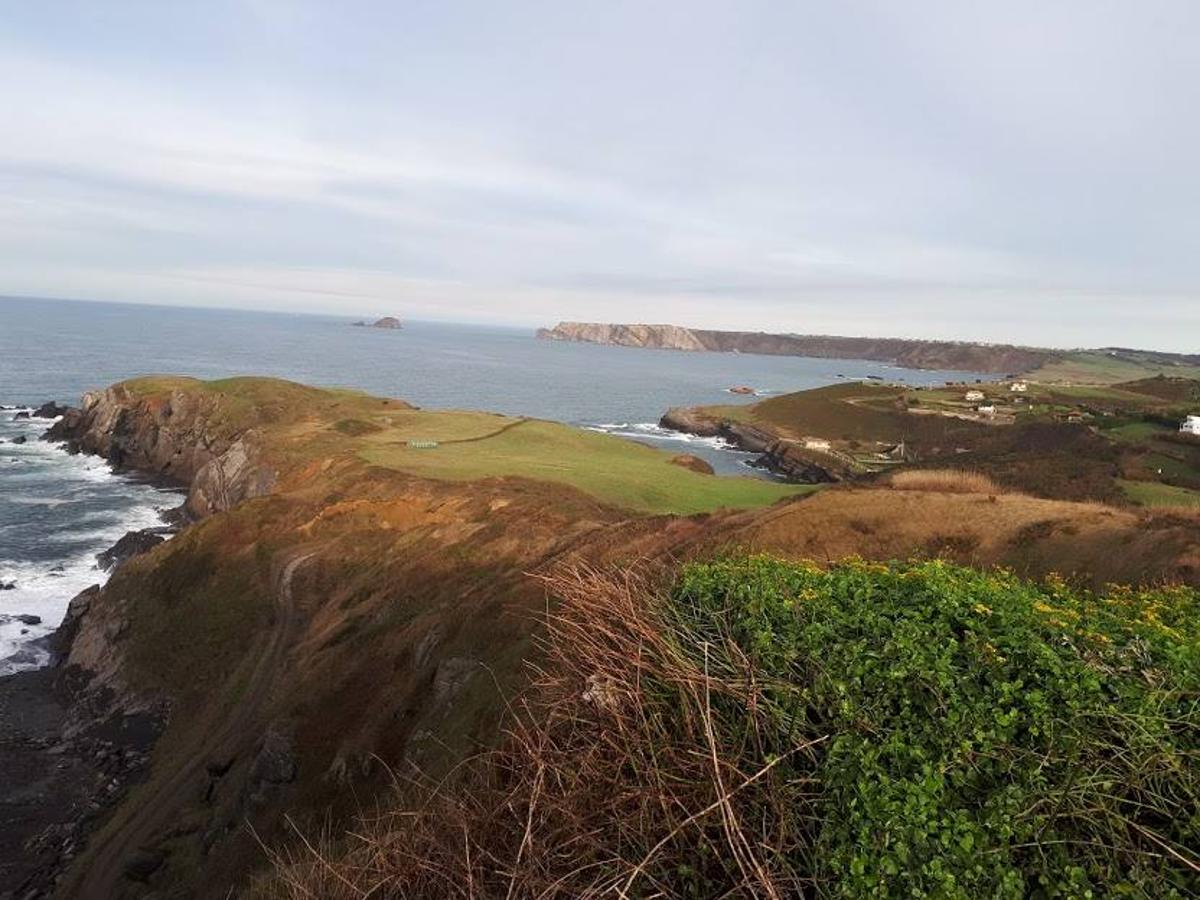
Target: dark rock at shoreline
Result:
[783, 458]
[19, 439]
[132, 544]
[8, 585]
[23, 414]
[50, 410]
[64, 637]
[27, 619]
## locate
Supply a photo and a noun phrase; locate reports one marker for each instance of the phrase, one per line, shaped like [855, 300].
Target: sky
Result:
[1023, 171]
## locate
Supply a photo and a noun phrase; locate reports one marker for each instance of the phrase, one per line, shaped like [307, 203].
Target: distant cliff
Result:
[963, 356]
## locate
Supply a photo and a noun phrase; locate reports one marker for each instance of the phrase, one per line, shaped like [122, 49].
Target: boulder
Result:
[23, 414]
[694, 463]
[50, 410]
[276, 760]
[8, 585]
[143, 863]
[64, 637]
[19, 439]
[132, 544]
[27, 619]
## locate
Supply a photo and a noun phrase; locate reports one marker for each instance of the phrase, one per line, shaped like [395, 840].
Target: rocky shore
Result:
[70, 746]
[785, 458]
[68, 754]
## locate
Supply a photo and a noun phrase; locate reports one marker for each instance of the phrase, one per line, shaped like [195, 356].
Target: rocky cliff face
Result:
[779, 456]
[177, 438]
[1000, 358]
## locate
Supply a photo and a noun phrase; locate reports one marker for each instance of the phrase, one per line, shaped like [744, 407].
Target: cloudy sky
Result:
[1021, 171]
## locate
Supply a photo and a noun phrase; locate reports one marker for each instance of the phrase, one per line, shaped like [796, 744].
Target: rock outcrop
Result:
[780, 456]
[134, 543]
[180, 439]
[959, 355]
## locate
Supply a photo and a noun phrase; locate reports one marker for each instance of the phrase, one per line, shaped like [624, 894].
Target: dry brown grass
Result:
[944, 481]
[602, 788]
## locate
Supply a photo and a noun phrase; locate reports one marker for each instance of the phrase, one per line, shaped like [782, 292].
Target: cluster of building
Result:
[1191, 425]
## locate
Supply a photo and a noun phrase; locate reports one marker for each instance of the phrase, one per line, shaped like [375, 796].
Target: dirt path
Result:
[100, 876]
[479, 437]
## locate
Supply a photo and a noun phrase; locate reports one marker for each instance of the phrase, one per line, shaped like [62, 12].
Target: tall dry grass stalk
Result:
[945, 481]
[629, 770]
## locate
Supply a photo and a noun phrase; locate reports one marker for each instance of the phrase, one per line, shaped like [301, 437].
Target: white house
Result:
[1018, 387]
[989, 410]
[1191, 425]
[816, 444]
[973, 396]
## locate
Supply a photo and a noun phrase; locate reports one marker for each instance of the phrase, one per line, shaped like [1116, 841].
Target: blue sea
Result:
[57, 512]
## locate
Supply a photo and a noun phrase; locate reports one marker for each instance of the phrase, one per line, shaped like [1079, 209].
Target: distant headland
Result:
[1108, 364]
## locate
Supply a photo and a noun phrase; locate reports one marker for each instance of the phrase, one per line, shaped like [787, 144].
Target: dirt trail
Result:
[218, 736]
[479, 437]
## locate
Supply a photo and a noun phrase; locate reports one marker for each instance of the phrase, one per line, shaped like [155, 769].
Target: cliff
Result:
[175, 436]
[912, 354]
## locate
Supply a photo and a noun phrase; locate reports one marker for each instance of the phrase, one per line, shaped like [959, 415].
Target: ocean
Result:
[57, 511]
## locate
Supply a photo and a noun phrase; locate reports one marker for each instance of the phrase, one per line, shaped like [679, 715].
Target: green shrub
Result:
[988, 737]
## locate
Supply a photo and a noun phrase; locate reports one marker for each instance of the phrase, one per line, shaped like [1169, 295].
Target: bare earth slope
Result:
[345, 615]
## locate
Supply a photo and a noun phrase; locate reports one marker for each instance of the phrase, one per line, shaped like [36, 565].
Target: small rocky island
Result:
[386, 322]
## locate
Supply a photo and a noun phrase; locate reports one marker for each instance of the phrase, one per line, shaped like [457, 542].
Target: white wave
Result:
[652, 431]
[44, 588]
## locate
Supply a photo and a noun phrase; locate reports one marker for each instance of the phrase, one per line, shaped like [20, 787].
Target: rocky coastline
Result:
[73, 740]
[778, 455]
[962, 356]
[68, 753]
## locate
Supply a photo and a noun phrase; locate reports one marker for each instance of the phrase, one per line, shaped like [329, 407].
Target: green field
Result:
[1153, 494]
[610, 469]
[1137, 432]
[1094, 367]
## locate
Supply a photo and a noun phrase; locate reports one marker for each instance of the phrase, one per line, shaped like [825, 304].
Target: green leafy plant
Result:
[988, 736]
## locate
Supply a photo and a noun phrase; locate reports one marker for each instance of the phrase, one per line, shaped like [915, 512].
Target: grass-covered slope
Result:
[299, 425]
[773, 729]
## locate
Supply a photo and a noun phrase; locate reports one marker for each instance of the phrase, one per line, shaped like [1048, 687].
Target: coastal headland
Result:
[1105, 365]
[361, 589]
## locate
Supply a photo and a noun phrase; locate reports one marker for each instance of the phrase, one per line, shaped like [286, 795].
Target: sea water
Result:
[58, 511]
